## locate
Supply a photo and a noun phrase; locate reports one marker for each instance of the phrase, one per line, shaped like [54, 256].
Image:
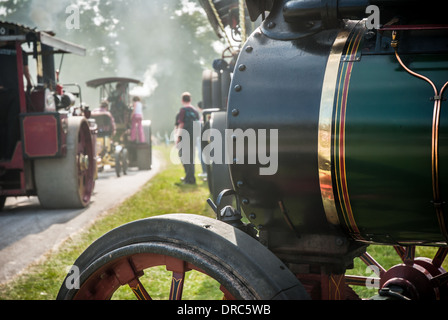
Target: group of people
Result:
[137, 133]
[185, 120]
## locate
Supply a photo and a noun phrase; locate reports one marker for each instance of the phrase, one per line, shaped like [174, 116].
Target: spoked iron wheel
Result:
[416, 278]
[125, 267]
[241, 266]
[86, 164]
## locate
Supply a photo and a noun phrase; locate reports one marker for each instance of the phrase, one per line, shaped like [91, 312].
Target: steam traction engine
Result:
[361, 160]
[47, 144]
[116, 149]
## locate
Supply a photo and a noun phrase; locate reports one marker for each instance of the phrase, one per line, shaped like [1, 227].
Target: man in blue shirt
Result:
[185, 120]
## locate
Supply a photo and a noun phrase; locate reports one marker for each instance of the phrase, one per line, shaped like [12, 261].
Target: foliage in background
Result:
[164, 43]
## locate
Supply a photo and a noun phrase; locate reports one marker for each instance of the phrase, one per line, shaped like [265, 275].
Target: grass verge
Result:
[42, 280]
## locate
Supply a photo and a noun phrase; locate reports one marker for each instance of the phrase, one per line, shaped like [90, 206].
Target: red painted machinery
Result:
[114, 147]
[46, 142]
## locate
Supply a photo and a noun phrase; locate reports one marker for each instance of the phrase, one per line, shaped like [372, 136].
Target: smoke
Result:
[156, 42]
[149, 84]
[44, 14]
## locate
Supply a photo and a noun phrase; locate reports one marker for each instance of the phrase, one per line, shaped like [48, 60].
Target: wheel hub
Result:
[414, 280]
[83, 162]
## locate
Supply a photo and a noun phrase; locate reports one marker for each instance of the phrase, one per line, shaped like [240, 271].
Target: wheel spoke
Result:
[400, 250]
[361, 281]
[178, 267]
[370, 261]
[177, 285]
[139, 290]
[439, 257]
[407, 254]
[440, 280]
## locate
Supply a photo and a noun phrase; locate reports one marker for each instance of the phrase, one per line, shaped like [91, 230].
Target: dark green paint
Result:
[388, 147]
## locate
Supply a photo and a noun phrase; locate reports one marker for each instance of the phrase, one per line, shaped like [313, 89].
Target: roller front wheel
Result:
[241, 266]
[68, 182]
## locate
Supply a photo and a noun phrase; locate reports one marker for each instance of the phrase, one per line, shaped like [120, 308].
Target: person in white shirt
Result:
[137, 117]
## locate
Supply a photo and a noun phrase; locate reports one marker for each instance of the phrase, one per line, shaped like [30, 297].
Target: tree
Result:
[169, 41]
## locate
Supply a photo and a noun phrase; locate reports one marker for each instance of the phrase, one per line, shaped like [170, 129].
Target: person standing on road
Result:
[185, 121]
[137, 118]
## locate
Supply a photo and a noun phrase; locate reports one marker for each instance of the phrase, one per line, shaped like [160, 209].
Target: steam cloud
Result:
[153, 41]
[149, 84]
[44, 13]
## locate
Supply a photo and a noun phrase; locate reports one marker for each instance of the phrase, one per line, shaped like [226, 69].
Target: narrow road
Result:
[27, 231]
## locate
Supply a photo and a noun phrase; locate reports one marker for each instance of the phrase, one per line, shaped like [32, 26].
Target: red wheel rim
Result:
[85, 163]
[127, 271]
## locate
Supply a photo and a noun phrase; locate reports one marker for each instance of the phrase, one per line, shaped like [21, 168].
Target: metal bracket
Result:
[230, 215]
[352, 58]
[438, 204]
[437, 98]
[227, 214]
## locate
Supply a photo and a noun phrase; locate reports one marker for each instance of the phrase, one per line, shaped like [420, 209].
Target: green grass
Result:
[159, 196]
